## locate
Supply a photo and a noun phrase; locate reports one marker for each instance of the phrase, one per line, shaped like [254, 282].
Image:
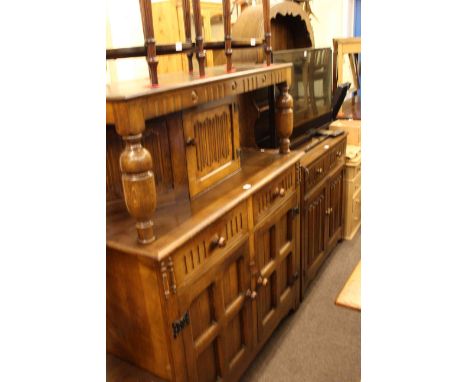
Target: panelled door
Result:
[218, 337]
[314, 231]
[212, 143]
[334, 211]
[276, 244]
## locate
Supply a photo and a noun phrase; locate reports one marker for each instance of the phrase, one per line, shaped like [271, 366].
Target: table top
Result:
[125, 90]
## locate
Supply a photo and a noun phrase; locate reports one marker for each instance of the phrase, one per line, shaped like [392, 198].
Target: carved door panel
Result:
[315, 231]
[334, 211]
[218, 338]
[276, 244]
[212, 139]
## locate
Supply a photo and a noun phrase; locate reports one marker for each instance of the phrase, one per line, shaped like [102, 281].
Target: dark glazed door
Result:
[219, 336]
[277, 262]
[334, 211]
[314, 229]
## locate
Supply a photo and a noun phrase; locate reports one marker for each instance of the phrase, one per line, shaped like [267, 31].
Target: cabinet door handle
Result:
[262, 281]
[190, 141]
[251, 294]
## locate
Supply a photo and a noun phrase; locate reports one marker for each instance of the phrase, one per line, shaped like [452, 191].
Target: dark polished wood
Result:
[284, 117]
[322, 204]
[150, 42]
[188, 32]
[200, 51]
[227, 33]
[267, 29]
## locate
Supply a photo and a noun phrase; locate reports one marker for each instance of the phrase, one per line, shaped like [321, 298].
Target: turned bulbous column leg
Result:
[139, 186]
[284, 117]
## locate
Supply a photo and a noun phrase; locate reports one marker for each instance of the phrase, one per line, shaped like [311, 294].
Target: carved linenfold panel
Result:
[212, 138]
[156, 140]
[276, 191]
[193, 255]
[213, 141]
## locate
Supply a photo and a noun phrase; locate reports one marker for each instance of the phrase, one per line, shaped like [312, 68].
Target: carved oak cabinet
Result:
[203, 228]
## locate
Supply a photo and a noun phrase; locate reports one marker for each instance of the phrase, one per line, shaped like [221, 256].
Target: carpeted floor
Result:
[321, 342]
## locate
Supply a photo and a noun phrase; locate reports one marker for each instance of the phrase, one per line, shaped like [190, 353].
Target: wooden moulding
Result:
[284, 117]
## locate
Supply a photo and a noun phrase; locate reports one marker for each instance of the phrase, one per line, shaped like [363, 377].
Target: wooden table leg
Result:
[284, 117]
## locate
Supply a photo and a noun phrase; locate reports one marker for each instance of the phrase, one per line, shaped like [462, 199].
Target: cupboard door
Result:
[212, 139]
[335, 207]
[218, 338]
[314, 233]
[276, 243]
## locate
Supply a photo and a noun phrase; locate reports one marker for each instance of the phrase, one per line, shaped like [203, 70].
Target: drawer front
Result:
[314, 173]
[273, 194]
[210, 245]
[336, 155]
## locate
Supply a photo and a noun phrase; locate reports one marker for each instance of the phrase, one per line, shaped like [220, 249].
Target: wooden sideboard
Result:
[322, 204]
[204, 248]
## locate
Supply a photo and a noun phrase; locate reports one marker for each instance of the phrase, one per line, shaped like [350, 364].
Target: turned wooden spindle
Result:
[227, 34]
[188, 31]
[139, 186]
[284, 117]
[201, 54]
[267, 29]
[150, 42]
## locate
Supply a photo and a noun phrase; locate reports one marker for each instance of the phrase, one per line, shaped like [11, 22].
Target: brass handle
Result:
[234, 85]
[338, 153]
[218, 241]
[319, 170]
[194, 96]
[328, 211]
[190, 141]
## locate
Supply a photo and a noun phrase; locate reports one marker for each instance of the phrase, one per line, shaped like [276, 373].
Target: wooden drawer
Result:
[210, 245]
[273, 194]
[315, 172]
[336, 154]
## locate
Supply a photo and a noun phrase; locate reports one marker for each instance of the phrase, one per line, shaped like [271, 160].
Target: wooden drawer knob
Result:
[251, 294]
[279, 192]
[262, 281]
[218, 241]
[190, 141]
[319, 170]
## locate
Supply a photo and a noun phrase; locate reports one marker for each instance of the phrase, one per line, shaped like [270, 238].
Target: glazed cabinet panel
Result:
[217, 307]
[276, 245]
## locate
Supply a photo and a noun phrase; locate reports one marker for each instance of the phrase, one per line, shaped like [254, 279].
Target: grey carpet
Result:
[321, 342]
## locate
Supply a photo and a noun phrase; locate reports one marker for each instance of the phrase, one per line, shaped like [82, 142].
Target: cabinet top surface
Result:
[177, 223]
[126, 90]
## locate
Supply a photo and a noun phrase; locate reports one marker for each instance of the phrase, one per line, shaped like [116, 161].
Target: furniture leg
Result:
[284, 117]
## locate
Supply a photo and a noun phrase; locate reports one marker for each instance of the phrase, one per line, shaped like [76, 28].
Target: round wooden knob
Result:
[265, 281]
[253, 295]
[234, 85]
[221, 242]
[218, 241]
[194, 96]
[190, 141]
[319, 170]
[282, 192]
